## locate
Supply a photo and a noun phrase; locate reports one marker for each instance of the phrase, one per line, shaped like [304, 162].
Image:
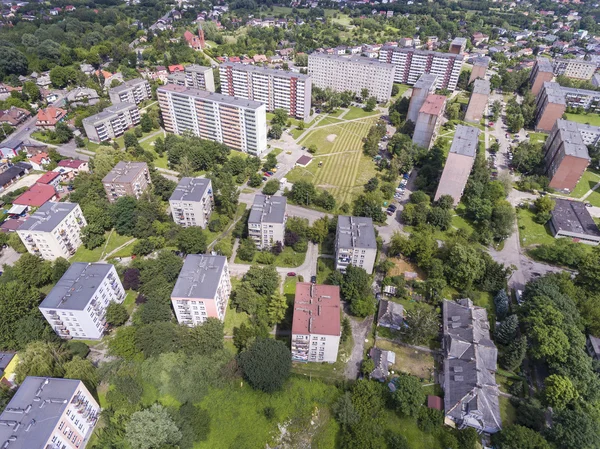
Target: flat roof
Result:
[459, 41]
[125, 171]
[36, 196]
[554, 93]
[211, 96]
[197, 68]
[544, 64]
[425, 81]
[355, 232]
[575, 91]
[265, 70]
[421, 52]
[108, 112]
[481, 87]
[580, 61]
[573, 216]
[316, 309]
[47, 217]
[481, 61]
[190, 189]
[466, 140]
[199, 277]
[128, 85]
[433, 105]
[5, 359]
[356, 59]
[268, 209]
[572, 142]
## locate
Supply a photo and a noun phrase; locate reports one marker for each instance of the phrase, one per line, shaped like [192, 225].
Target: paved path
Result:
[8, 256]
[116, 250]
[360, 332]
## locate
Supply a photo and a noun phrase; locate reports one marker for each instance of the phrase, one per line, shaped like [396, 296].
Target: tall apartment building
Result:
[266, 222]
[76, 306]
[550, 106]
[565, 156]
[411, 64]
[355, 243]
[112, 122]
[428, 120]
[589, 134]
[459, 163]
[277, 89]
[589, 100]
[478, 101]
[192, 202]
[194, 76]
[542, 72]
[132, 91]
[53, 231]
[49, 413]
[354, 74]
[316, 328]
[479, 69]
[458, 45]
[575, 68]
[202, 289]
[238, 123]
[126, 178]
[424, 87]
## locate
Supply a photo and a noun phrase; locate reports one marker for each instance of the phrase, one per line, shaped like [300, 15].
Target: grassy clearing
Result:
[148, 145]
[401, 89]
[113, 241]
[410, 361]
[417, 439]
[537, 137]
[530, 232]
[233, 318]
[355, 112]
[276, 151]
[287, 258]
[587, 181]
[590, 119]
[129, 301]
[325, 267]
[507, 412]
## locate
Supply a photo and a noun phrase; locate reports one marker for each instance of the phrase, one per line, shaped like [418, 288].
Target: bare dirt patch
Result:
[402, 266]
[409, 360]
[331, 137]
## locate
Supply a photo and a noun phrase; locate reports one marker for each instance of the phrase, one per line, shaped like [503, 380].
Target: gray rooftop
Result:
[459, 41]
[579, 61]
[268, 209]
[481, 61]
[422, 52]
[466, 140]
[554, 93]
[211, 96]
[5, 359]
[264, 70]
[570, 136]
[127, 85]
[481, 87]
[355, 232]
[199, 277]
[390, 314]
[595, 341]
[108, 112]
[579, 92]
[125, 171]
[34, 411]
[355, 59]
[197, 68]
[190, 189]
[426, 81]
[573, 216]
[75, 289]
[47, 217]
[544, 65]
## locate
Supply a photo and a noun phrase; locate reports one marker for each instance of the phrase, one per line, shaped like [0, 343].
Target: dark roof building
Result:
[571, 219]
[390, 315]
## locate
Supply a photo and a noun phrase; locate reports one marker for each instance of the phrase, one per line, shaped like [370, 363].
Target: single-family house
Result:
[49, 117]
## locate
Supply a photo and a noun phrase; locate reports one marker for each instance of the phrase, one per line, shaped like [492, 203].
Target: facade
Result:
[550, 106]
[575, 68]
[341, 73]
[266, 222]
[192, 202]
[571, 219]
[542, 72]
[458, 45]
[133, 91]
[202, 289]
[424, 87]
[478, 101]
[589, 100]
[194, 76]
[355, 243]
[479, 69]
[277, 89]
[589, 134]
[316, 327]
[565, 156]
[428, 120]
[411, 64]
[471, 394]
[112, 122]
[62, 413]
[126, 178]
[54, 230]
[459, 163]
[240, 124]
[76, 306]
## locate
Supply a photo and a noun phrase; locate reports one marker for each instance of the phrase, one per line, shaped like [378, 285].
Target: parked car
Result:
[267, 174]
[313, 279]
[291, 274]
[491, 124]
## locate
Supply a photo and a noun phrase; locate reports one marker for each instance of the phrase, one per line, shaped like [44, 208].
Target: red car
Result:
[491, 124]
[291, 274]
[267, 174]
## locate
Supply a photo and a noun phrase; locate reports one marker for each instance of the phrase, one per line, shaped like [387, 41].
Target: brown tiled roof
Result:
[316, 309]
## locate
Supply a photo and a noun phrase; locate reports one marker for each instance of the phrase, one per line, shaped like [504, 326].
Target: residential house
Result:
[14, 116]
[266, 222]
[36, 196]
[8, 363]
[383, 361]
[38, 161]
[82, 96]
[355, 243]
[49, 117]
[50, 178]
[390, 315]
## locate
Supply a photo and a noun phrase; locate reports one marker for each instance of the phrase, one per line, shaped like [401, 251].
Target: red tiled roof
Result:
[12, 224]
[316, 309]
[38, 158]
[51, 115]
[435, 402]
[434, 105]
[176, 68]
[37, 195]
[105, 74]
[71, 163]
[48, 177]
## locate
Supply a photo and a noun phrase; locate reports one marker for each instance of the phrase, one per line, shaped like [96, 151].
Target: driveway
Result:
[25, 181]
[8, 256]
[360, 332]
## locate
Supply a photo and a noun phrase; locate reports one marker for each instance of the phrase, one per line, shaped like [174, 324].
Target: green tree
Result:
[544, 205]
[125, 215]
[303, 193]
[123, 343]
[519, 437]
[266, 364]
[364, 93]
[503, 220]
[559, 391]
[506, 331]
[116, 314]
[191, 240]
[59, 267]
[33, 270]
[246, 250]
[146, 123]
[41, 359]
[92, 236]
[408, 396]
[280, 117]
[514, 354]
[82, 369]
[271, 187]
[17, 300]
[275, 132]
[577, 428]
[422, 324]
[255, 180]
[205, 339]
[152, 428]
[370, 104]
[501, 304]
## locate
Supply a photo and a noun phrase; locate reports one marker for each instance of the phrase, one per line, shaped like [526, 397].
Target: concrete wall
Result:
[568, 173]
[476, 108]
[425, 129]
[548, 115]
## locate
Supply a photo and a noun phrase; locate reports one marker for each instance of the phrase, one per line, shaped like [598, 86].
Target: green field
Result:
[287, 258]
[355, 112]
[537, 137]
[590, 119]
[587, 181]
[530, 232]
[113, 241]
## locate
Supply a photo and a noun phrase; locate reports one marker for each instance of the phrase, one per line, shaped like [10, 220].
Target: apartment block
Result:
[238, 123]
[428, 120]
[589, 100]
[53, 231]
[355, 243]
[354, 74]
[542, 72]
[589, 134]
[565, 156]
[316, 328]
[575, 68]
[112, 122]
[126, 178]
[202, 289]
[459, 163]
[550, 106]
[194, 76]
[133, 91]
[192, 202]
[266, 223]
[277, 89]
[49, 413]
[76, 306]
[458, 45]
[478, 101]
[425, 86]
[411, 64]
[480, 66]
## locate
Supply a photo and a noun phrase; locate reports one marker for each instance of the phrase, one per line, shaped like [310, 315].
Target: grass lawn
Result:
[410, 361]
[591, 119]
[287, 258]
[594, 198]
[417, 439]
[401, 89]
[276, 151]
[91, 146]
[587, 181]
[148, 145]
[507, 411]
[530, 232]
[537, 137]
[325, 267]
[289, 287]
[335, 114]
[42, 136]
[355, 112]
[129, 302]
[113, 241]
[233, 318]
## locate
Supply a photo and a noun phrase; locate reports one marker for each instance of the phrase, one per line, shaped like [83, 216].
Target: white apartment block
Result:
[192, 202]
[194, 76]
[76, 306]
[266, 223]
[132, 91]
[354, 74]
[316, 328]
[49, 413]
[112, 122]
[53, 231]
[277, 89]
[575, 68]
[238, 123]
[202, 289]
[411, 64]
[355, 243]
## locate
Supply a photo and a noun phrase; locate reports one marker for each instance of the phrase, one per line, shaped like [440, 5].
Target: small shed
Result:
[303, 161]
